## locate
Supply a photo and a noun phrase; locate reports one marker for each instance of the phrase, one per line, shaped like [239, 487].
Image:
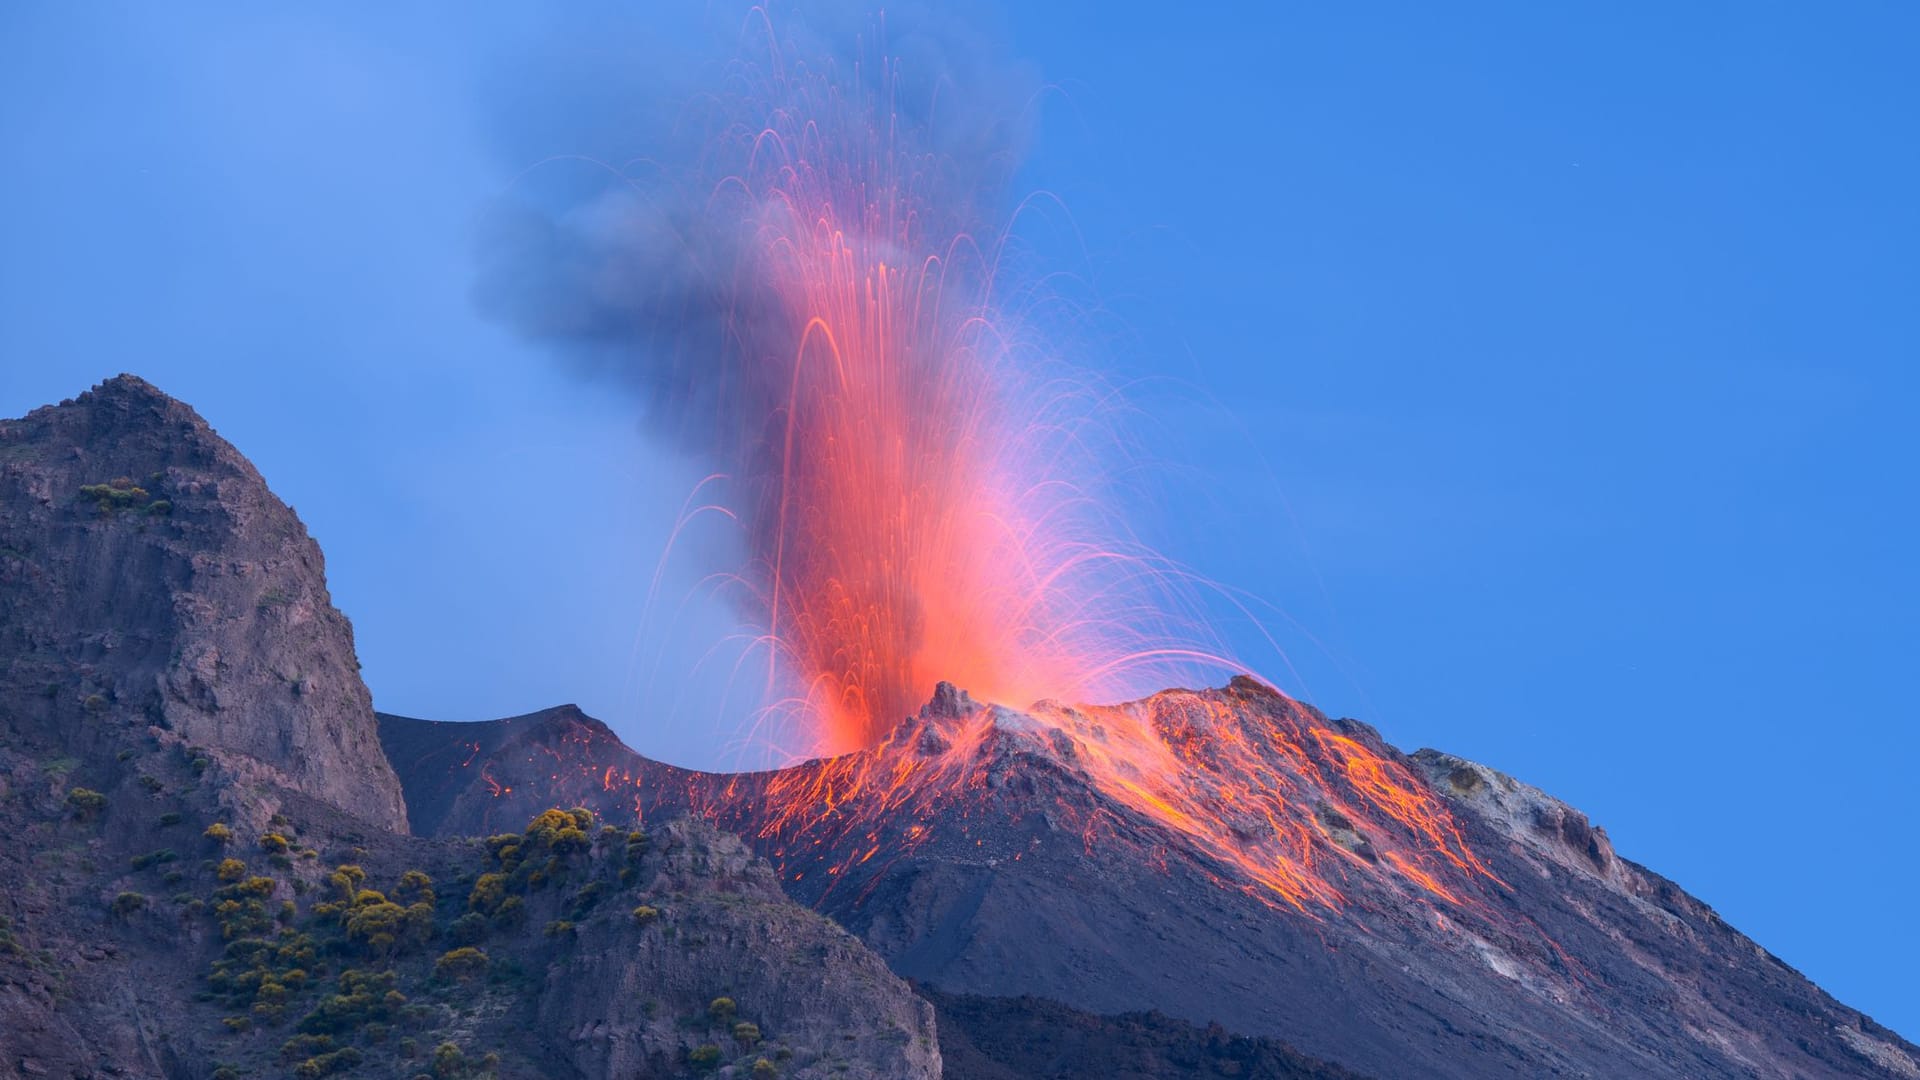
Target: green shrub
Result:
[238, 1025]
[468, 929]
[230, 870]
[448, 1061]
[120, 493]
[362, 997]
[559, 928]
[327, 1064]
[704, 1059]
[462, 964]
[273, 843]
[764, 1070]
[85, 802]
[746, 1033]
[415, 886]
[127, 903]
[645, 914]
[153, 858]
[721, 1009]
[218, 833]
[169, 819]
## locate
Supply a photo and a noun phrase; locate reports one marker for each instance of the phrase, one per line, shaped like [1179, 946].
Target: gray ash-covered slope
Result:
[146, 568]
[207, 868]
[1025, 877]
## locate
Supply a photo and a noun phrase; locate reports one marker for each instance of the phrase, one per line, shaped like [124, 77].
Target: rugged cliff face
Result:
[207, 868]
[148, 575]
[1018, 873]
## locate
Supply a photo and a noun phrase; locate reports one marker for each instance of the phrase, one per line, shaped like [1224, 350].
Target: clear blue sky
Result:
[1555, 373]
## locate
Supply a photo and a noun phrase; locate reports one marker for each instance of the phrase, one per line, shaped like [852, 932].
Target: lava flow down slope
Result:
[1285, 874]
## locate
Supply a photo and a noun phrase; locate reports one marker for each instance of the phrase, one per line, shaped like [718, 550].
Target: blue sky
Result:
[1553, 373]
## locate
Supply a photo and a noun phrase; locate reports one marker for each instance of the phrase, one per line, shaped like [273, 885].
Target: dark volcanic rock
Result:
[1029, 1038]
[207, 867]
[147, 575]
[1021, 878]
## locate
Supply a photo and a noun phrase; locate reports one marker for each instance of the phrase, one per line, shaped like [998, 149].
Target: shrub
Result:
[468, 929]
[218, 833]
[159, 508]
[238, 1025]
[721, 1009]
[363, 997]
[327, 1064]
[151, 783]
[153, 858]
[85, 802]
[119, 493]
[704, 1059]
[127, 903]
[559, 928]
[305, 1046]
[462, 964]
[415, 886]
[273, 843]
[169, 819]
[764, 1070]
[230, 870]
[347, 879]
[448, 1061]
[746, 1033]
[645, 914]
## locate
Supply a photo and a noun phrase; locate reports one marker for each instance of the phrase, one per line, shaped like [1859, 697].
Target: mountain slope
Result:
[207, 867]
[146, 571]
[1019, 871]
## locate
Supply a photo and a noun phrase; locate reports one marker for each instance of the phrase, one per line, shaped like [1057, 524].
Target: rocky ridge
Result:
[208, 864]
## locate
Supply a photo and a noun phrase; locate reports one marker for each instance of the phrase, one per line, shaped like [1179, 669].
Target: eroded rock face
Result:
[148, 576]
[788, 971]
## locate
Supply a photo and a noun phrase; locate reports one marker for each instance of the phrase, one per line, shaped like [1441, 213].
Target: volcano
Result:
[1428, 916]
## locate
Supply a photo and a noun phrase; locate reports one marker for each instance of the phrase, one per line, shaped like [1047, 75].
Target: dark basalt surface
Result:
[1574, 962]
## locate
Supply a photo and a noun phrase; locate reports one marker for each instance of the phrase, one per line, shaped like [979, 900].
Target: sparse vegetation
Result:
[86, 803]
[462, 964]
[119, 493]
[153, 858]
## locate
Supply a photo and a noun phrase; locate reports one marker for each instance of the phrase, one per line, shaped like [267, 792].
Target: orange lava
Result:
[921, 489]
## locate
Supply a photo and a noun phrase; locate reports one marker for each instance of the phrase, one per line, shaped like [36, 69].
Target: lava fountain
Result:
[924, 494]
[920, 485]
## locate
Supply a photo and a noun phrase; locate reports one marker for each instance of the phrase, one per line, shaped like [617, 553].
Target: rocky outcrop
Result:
[148, 576]
[208, 869]
[620, 998]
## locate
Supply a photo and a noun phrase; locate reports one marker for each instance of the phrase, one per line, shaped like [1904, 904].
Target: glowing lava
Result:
[920, 488]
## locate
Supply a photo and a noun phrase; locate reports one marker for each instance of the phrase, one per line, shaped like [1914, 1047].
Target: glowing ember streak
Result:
[918, 485]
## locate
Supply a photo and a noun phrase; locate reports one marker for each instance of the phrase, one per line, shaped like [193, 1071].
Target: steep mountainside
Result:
[1018, 872]
[207, 868]
[146, 570]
